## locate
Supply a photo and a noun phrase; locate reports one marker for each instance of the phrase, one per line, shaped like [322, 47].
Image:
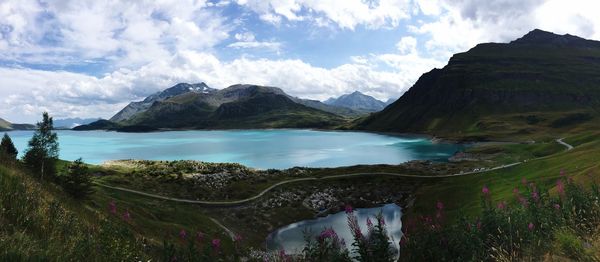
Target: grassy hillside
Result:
[40, 222]
[462, 195]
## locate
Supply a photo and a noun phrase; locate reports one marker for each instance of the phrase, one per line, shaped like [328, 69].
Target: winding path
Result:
[227, 230]
[265, 191]
[560, 141]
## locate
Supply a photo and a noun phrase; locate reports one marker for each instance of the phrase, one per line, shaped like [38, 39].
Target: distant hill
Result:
[182, 88]
[390, 101]
[7, 126]
[73, 122]
[357, 101]
[97, 125]
[238, 106]
[4, 125]
[338, 110]
[539, 81]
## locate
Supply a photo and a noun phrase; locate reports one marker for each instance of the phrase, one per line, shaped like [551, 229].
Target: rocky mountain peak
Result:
[541, 37]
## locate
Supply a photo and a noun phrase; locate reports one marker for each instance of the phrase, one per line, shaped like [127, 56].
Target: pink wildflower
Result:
[557, 206]
[439, 205]
[485, 190]
[369, 223]
[237, 238]
[560, 187]
[531, 226]
[349, 209]
[283, 256]
[403, 239]
[112, 207]
[199, 236]
[501, 205]
[126, 215]
[523, 201]
[327, 233]
[182, 234]
[536, 196]
[516, 191]
[216, 244]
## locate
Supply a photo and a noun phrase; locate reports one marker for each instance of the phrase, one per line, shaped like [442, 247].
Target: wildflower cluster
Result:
[525, 229]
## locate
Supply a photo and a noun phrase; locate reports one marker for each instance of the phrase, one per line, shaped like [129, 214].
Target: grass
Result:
[463, 193]
[41, 222]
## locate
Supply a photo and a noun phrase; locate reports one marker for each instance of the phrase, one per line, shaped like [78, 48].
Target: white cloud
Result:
[464, 23]
[127, 33]
[245, 37]
[275, 46]
[347, 14]
[407, 45]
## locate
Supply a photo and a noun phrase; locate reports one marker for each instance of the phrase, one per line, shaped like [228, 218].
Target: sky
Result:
[90, 58]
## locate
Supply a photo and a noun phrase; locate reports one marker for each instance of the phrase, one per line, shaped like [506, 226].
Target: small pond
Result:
[291, 237]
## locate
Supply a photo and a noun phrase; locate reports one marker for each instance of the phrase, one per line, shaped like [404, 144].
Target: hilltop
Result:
[541, 82]
[357, 101]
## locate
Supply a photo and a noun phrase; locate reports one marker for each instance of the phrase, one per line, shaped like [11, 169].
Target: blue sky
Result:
[84, 58]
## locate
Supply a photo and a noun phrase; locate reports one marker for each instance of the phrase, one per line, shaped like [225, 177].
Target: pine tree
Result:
[7, 148]
[76, 181]
[42, 154]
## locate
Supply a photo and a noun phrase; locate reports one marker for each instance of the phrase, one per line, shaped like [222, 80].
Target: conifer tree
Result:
[76, 181]
[42, 154]
[7, 148]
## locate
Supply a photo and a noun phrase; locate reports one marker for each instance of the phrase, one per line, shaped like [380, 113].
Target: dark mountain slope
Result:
[539, 74]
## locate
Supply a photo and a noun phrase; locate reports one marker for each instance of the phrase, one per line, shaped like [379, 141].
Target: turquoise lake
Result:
[254, 148]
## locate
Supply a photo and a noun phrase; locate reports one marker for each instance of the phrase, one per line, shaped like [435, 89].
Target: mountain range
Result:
[67, 123]
[357, 101]
[197, 106]
[541, 80]
[537, 83]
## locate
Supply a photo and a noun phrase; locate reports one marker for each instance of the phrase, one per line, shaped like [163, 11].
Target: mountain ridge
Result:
[237, 106]
[540, 75]
[140, 106]
[357, 101]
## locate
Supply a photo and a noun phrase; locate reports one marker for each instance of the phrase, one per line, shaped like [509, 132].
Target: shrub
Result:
[76, 180]
[571, 246]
